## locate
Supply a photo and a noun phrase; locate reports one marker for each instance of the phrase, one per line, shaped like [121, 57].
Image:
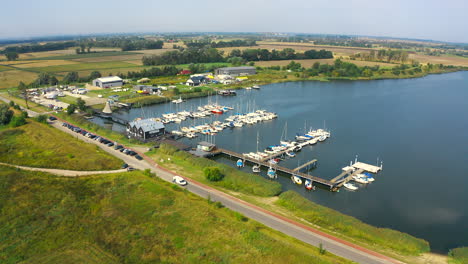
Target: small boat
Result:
[296, 179]
[240, 163]
[272, 173]
[256, 87]
[322, 138]
[350, 186]
[248, 88]
[291, 154]
[256, 168]
[369, 177]
[308, 184]
[178, 101]
[217, 111]
[191, 135]
[360, 179]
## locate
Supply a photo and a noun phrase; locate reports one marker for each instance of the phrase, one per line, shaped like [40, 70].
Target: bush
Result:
[41, 119]
[17, 121]
[213, 174]
[71, 109]
[459, 254]
[5, 114]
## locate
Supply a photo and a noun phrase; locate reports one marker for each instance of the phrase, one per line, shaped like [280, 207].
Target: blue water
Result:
[418, 127]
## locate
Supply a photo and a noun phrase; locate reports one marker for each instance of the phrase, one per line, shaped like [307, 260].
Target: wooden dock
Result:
[348, 178]
[312, 162]
[278, 168]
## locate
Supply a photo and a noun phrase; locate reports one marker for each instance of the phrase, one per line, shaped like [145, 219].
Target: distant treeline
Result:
[400, 56]
[186, 56]
[206, 55]
[220, 44]
[125, 43]
[285, 54]
[40, 47]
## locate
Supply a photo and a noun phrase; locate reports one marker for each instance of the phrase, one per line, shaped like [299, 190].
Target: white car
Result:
[179, 180]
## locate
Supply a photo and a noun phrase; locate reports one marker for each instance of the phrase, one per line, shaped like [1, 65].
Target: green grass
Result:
[234, 180]
[39, 145]
[84, 66]
[329, 219]
[130, 218]
[5, 68]
[458, 255]
[87, 55]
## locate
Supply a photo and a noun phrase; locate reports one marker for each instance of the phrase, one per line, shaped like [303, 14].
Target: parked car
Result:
[138, 157]
[124, 166]
[52, 118]
[130, 169]
[179, 180]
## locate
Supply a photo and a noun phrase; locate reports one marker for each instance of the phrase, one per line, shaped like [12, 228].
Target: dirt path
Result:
[65, 173]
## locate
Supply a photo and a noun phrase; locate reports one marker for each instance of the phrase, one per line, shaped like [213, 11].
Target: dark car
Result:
[138, 157]
[124, 166]
[130, 169]
[52, 118]
[110, 144]
[117, 147]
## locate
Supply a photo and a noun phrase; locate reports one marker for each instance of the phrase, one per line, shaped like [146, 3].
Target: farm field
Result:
[131, 217]
[39, 145]
[9, 79]
[42, 63]
[83, 66]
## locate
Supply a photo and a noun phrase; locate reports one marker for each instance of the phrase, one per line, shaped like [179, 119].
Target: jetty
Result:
[310, 163]
[263, 163]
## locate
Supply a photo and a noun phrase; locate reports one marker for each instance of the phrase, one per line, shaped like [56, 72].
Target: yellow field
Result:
[309, 63]
[153, 51]
[43, 63]
[71, 51]
[12, 78]
[110, 58]
[446, 60]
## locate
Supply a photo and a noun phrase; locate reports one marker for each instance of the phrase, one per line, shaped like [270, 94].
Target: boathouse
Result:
[145, 129]
[236, 71]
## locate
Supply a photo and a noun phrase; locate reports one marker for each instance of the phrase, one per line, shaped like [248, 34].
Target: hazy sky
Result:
[428, 19]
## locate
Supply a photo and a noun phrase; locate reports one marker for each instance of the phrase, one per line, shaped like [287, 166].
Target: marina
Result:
[391, 120]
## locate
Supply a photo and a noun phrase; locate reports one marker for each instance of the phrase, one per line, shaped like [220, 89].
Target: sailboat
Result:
[296, 179]
[308, 184]
[256, 168]
[178, 101]
[240, 163]
[272, 173]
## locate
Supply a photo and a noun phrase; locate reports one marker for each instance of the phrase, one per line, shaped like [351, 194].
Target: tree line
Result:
[383, 55]
[206, 55]
[220, 44]
[127, 43]
[39, 47]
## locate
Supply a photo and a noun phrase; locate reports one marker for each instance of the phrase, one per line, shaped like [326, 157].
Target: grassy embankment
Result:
[130, 218]
[351, 227]
[234, 180]
[39, 145]
[292, 204]
[458, 255]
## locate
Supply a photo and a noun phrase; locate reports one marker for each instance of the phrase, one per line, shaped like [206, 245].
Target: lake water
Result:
[418, 127]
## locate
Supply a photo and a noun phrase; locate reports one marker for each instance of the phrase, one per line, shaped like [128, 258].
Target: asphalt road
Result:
[289, 227]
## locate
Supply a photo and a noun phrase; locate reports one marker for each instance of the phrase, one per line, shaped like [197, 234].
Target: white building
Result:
[107, 82]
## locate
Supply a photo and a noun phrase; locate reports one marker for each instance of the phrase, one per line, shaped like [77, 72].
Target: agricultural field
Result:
[39, 145]
[42, 63]
[443, 59]
[83, 66]
[9, 79]
[131, 217]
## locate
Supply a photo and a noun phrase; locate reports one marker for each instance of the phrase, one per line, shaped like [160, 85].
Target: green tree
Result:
[81, 104]
[11, 56]
[24, 92]
[213, 174]
[71, 109]
[5, 114]
[236, 61]
[71, 77]
[77, 50]
[94, 75]
[17, 121]
[82, 47]
[53, 80]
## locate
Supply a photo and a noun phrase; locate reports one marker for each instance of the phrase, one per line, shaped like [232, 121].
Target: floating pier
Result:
[291, 172]
[312, 162]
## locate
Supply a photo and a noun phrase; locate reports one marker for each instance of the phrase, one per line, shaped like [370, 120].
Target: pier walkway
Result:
[278, 168]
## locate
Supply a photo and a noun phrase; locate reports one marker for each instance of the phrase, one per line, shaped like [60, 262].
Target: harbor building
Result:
[145, 129]
[108, 82]
[236, 71]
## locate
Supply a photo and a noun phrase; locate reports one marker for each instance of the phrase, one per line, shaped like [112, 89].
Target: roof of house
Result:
[147, 125]
[196, 79]
[109, 79]
[238, 68]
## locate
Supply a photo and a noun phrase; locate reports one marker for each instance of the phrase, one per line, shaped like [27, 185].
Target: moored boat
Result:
[350, 186]
[296, 179]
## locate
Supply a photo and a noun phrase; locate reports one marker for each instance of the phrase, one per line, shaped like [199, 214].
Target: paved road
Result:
[289, 227]
[65, 173]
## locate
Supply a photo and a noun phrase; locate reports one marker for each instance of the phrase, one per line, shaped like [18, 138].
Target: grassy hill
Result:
[39, 145]
[130, 218]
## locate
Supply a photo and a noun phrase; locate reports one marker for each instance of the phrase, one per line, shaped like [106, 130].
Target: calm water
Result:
[418, 127]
